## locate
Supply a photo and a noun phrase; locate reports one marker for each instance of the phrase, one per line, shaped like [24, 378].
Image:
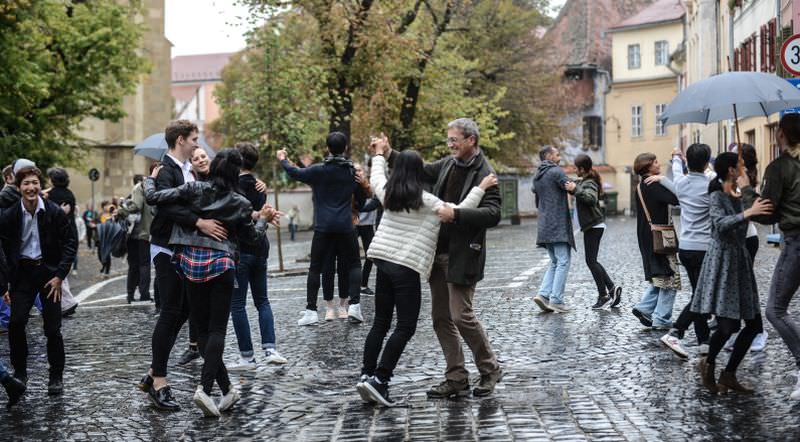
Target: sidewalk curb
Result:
[289, 272]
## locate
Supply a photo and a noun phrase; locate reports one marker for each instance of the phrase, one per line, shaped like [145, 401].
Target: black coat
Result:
[658, 198]
[57, 238]
[60, 195]
[167, 215]
[467, 233]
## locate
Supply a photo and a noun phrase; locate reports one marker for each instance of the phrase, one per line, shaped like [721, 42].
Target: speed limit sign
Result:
[790, 55]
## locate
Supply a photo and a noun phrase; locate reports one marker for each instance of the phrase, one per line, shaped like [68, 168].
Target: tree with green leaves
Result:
[63, 61]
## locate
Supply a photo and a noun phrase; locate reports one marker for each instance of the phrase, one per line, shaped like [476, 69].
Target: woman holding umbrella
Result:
[727, 285]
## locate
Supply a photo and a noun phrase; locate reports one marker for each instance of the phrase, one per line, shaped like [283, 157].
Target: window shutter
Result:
[771, 48]
[762, 48]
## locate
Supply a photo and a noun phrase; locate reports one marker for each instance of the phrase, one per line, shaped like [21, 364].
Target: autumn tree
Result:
[63, 61]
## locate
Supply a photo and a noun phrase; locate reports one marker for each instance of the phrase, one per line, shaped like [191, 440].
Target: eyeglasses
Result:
[454, 140]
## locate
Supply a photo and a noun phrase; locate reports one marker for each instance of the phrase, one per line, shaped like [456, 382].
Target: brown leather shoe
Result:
[728, 381]
[707, 375]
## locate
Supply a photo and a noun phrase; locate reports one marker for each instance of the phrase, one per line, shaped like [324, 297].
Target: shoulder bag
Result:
[665, 239]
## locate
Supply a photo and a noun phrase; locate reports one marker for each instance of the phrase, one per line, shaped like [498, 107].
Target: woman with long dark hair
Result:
[209, 265]
[727, 285]
[402, 250]
[588, 191]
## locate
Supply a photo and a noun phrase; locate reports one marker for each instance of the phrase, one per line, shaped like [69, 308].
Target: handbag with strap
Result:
[665, 239]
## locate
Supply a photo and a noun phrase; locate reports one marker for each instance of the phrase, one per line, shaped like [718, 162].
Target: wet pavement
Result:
[584, 375]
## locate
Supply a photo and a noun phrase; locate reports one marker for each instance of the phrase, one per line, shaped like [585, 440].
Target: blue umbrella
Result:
[732, 95]
[155, 146]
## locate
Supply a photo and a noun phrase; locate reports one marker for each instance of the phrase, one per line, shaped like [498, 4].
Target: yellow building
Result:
[147, 112]
[646, 53]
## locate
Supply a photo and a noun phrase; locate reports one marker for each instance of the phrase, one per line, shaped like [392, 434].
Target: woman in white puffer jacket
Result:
[403, 251]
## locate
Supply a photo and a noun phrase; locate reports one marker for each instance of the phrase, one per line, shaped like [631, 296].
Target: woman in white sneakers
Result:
[403, 251]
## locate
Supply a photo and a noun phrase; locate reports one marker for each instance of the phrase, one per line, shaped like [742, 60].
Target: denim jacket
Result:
[209, 202]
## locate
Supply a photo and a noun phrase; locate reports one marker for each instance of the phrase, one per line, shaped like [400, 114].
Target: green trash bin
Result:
[611, 203]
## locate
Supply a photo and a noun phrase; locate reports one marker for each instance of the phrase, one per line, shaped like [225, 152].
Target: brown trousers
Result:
[452, 314]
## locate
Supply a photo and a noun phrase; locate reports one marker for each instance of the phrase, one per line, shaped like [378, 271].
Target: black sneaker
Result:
[448, 389]
[603, 302]
[145, 384]
[22, 377]
[162, 399]
[14, 389]
[363, 392]
[616, 294]
[188, 356]
[367, 291]
[488, 382]
[378, 391]
[55, 387]
[643, 317]
[69, 312]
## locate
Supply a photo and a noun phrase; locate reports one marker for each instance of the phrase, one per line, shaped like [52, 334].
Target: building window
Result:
[592, 133]
[636, 121]
[662, 52]
[750, 137]
[634, 59]
[661, 130]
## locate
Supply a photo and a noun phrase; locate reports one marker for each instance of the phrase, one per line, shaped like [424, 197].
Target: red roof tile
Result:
[204, 67]
[578, 34]
[659, 12]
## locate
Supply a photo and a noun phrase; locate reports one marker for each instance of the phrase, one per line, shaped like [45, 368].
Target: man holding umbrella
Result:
[181, 138]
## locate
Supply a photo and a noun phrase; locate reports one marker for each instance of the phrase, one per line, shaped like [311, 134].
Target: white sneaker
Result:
[760, 342]
[674, 344]
[702, 349]
[732, 340]
[309, 318]
[354, 313]
[273, 357]
[243, 364]
[558, 308]
[341, 312]
[330, 314]
[796, 393]
[205, 403]
[229, 399]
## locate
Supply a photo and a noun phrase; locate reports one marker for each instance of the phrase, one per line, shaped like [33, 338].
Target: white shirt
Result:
[188, 177]
[31, 247]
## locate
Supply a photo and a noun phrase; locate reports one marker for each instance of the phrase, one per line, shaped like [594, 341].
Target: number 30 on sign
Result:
[790, 55]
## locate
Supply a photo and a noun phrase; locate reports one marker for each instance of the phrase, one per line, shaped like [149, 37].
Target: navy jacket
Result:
[247, 186]
[333, 187]
[58, 240]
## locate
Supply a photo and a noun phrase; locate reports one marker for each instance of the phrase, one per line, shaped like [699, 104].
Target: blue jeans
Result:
[657, 302]
[3, 372]
[5, 314]
[252, 270]
[555, 279]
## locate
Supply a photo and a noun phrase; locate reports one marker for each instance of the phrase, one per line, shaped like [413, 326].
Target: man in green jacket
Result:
[460, 260]
[781, 186]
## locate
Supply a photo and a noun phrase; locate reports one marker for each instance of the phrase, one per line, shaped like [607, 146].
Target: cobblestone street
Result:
[585, 375]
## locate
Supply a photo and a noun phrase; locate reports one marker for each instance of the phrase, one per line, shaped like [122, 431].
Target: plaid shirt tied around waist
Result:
[200, 264]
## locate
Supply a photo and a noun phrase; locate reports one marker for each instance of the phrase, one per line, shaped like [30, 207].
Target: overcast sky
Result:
[210, 26]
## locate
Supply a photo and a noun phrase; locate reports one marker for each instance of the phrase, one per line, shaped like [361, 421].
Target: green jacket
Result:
[781, 185]
[587, 202]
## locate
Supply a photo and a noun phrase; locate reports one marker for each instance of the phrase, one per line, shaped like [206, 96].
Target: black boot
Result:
[14, 389]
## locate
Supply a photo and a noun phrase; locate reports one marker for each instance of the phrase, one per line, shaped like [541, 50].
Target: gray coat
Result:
[554, 223]
[726, 286]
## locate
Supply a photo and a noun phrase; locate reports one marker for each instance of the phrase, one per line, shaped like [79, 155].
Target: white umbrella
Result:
[155, 146]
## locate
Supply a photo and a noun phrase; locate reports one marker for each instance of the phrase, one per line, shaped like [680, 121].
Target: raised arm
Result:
[377, 177]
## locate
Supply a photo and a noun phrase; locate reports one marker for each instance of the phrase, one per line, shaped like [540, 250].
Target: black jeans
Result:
[211, 307]
[138, 268]
[330, 271]
[692, 261]
[366, 233]
[174, 312]
[752, 246]
[396, 287]
[105, 266]
[31, 281]
[345, 246]
[726, 327]
[591, 246]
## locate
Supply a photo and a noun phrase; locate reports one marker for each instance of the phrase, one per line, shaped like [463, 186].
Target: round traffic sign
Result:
[94, 174]
[790, 54]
